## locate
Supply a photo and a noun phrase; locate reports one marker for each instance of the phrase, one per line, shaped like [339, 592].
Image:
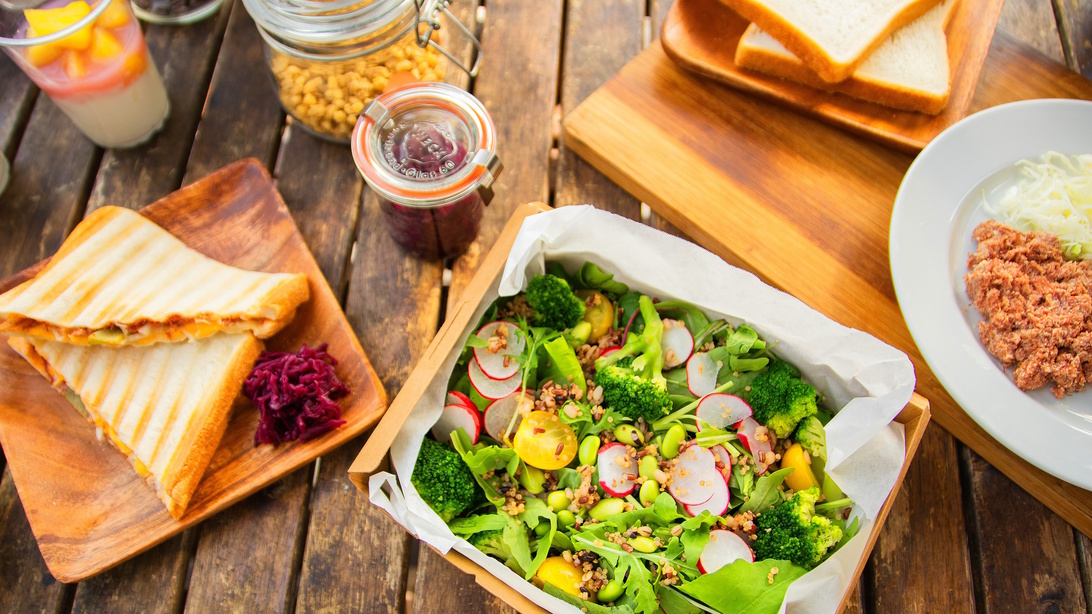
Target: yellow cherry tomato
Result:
[802, 478]
[544, 441]
[560, 573]
[599, 313]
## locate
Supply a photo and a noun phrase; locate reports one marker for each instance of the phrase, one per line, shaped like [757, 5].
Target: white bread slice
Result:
[164, 406]
[832, 37]
[120, 279]
[909, 71]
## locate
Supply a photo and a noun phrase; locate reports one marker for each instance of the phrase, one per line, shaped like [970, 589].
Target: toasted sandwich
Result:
[119, 279]
[164, 406]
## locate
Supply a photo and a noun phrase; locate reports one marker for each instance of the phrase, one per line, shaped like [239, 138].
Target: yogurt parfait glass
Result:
[429, 151]
[91, 60]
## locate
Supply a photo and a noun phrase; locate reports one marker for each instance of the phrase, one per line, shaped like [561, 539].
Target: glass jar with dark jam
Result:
[429, 151]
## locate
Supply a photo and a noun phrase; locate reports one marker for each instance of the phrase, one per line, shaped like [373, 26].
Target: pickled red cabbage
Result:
[296, 394]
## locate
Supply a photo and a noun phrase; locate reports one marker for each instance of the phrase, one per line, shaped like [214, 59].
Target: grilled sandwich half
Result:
[120, 279]
[164, 406]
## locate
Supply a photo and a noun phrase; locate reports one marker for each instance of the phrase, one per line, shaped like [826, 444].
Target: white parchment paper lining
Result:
[866, 381]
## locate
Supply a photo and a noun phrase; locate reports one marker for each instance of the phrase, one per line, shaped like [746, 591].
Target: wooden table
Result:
[961, 537]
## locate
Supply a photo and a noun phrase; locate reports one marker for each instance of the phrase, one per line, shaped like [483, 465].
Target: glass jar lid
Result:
[427, 144]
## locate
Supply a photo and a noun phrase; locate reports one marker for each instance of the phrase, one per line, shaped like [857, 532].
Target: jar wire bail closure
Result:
[429, 12]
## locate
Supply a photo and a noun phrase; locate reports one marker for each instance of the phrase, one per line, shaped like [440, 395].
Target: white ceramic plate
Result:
[937, 207]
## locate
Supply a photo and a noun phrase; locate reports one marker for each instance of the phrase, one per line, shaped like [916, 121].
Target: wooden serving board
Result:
[803, 204]
[701, 36]
[87, 508]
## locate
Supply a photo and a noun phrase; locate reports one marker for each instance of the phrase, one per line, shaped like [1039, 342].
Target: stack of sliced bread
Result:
[891, 52]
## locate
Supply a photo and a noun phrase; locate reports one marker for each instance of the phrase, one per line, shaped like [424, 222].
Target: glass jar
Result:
[92, 62]
[330, 58]
[175, 12]
[429, 151]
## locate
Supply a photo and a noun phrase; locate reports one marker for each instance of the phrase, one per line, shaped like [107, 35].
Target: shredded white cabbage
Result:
[1055, 196]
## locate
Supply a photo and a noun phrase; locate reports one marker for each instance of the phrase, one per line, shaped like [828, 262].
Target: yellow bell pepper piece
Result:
[560, 573]
[802, 477]
[48, 21]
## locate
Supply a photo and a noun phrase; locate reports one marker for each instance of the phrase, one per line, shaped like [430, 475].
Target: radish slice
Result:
[722, 455]
[693, 475]
[499, 413]
[747, 431]
[723, 548]
[717, 504]
[617, 469]
[502, 364]
[609, 351]
[455, 397]
[458, 416]
[491, 388]
[677, 343]
[721, 410]
[701, 374]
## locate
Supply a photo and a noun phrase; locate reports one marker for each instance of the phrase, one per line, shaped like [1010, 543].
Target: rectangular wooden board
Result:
[701, 36]
[374, 455]
[88, 509]
[803, 204]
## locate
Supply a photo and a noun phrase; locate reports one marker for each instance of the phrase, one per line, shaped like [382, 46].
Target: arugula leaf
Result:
[694, 318]
[745, 588]
[588, 606]
[470, 525]
[674, 602]
[639, 581]
[515, 536]
[535, 512]
[627, 304]
[766, 495]
[561, 364]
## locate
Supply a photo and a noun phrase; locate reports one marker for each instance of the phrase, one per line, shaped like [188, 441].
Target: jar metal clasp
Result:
[428, 11]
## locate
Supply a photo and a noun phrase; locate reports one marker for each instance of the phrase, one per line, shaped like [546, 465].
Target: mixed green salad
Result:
[629, 454]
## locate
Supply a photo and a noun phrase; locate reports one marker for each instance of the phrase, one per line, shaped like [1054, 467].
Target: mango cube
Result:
[42, 55]
[113, 17]
[104, 46]
[74, 63]
[48, 21]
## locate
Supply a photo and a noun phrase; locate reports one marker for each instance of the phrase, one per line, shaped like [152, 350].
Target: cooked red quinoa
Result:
[1036, 307]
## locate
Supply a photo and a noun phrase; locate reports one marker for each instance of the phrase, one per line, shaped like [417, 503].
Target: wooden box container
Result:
[374, 456]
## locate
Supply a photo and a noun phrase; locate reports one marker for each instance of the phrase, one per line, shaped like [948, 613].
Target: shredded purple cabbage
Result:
[296, 394]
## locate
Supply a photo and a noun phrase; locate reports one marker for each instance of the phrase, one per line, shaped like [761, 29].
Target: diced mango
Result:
[42, 55]
[133, 66]
[75, 64]
[104, 46]
[48, 21]
[115, 16]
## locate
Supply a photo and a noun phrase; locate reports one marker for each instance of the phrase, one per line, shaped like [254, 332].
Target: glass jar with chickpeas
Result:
[330, 58]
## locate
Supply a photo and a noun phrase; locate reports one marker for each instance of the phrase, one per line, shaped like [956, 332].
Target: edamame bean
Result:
[565, 518]
[611, 591]
[532, 479]
[649, 491]
[629, 435]
[557, 501]
[607, 508]
[541, 529]
[673, 438]
[578, 335]
[588, 453]
[648, 467]
[643, 544]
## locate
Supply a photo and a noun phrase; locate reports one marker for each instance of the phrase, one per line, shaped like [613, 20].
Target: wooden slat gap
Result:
[300, 545]
[1085, 565]
[970, 515]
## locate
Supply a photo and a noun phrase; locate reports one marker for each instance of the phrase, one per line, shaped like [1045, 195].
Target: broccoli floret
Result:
[780, 399]
[554, 303]
[632, 377]
[792, 531]
[443, 480]
[811, 436]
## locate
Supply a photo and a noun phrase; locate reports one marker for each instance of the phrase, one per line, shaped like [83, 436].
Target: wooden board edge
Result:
[374, 453]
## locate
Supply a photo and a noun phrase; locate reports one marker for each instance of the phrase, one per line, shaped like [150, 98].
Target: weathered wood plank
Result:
[443, 588]
[152, 582]
[242, 116]
[16, 100]
[1076, 34]
[390, 296]
[246, 556]
[135, 177]
[921, 562]
[610, 32]
[1036, 571]
[518, 84]
[1032, 21]
[25, 583]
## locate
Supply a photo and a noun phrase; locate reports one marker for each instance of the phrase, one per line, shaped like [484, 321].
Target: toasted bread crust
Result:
[810, 51]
